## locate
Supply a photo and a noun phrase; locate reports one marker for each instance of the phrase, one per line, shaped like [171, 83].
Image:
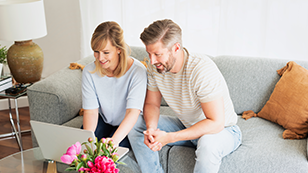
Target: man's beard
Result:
[168, 66]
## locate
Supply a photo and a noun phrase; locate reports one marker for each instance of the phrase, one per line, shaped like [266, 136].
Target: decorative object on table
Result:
[21, 21]
[5, 83]
[16, 89]
[101, 157]
[3, 53]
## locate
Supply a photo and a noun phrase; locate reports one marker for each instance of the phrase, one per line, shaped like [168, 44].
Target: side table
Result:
[17, 132]
[28, 161]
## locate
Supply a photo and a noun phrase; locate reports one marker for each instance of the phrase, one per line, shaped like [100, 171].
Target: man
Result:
[197, 92]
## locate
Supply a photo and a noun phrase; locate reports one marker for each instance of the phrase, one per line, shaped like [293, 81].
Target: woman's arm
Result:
[90, 118]
[126, 125]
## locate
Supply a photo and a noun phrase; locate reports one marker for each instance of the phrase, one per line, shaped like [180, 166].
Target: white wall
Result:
[62, 44]
[266, 28]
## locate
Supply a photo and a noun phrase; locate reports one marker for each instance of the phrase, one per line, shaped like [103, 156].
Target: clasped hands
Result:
[156, 139]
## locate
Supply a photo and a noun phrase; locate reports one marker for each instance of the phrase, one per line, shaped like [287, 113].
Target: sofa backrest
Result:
[251, 80]
[140, 53]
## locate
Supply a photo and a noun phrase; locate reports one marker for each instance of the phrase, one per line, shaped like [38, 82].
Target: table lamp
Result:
[21, 21]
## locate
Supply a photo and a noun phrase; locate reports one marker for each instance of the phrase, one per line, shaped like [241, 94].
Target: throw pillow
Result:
[145, 62]
[288, 104]
[74, 66]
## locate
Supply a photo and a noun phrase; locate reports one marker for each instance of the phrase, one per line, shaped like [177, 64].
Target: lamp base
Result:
[25, 60]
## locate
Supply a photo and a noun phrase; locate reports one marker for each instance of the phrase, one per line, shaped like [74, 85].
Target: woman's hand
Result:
[115, 144]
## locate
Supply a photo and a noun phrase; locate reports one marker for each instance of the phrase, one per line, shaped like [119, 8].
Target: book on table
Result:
[5, 83]
[5, 79]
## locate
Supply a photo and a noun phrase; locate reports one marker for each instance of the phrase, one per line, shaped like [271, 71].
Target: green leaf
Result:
[99, 149]
[97, 144]
[3, 54]
[79, 166]
[106, 152]
[91, 159]
[121, 163]
[84, 143]
[114, 150]
[70, 169]
[89, 150]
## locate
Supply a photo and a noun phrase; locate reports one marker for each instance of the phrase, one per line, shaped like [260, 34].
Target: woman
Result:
[113, 87]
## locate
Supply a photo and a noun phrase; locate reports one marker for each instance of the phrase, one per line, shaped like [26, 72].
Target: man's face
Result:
[161, 57]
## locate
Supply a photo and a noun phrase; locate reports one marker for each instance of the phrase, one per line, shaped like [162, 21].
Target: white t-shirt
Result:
[199, 81]
[111, 95]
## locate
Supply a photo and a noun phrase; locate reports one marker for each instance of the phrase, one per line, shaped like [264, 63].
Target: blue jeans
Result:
[104, 130]
[210, 149]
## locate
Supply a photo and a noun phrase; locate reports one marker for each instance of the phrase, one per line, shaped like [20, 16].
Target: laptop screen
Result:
[54, 140]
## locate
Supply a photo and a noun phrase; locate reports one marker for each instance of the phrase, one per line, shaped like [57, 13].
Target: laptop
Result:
[54, 140]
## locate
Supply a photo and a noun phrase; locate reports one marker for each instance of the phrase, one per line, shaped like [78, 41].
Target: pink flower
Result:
[90, 164]
[71, 153]
[83, 169]
[103, 164]
[74, 149]
[68, 159]
[83, 157]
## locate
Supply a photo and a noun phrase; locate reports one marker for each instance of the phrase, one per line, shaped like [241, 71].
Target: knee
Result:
[207, 151]
[208, 159]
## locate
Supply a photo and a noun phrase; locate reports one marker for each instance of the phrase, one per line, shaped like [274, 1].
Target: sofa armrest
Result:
[57, 98]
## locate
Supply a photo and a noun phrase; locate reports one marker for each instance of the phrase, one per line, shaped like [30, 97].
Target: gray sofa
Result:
[57, 99]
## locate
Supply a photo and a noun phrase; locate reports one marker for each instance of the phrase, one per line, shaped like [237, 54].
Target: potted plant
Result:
[3, 53]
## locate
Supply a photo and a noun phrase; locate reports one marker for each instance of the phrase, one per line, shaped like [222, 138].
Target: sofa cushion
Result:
[287, 105]
[75, 122]
[263, 150]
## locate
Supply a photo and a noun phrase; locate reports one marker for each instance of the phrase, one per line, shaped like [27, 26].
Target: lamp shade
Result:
[22, 20]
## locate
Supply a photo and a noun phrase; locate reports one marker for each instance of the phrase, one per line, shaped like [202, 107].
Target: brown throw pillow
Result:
[145, 62]
[288, 104]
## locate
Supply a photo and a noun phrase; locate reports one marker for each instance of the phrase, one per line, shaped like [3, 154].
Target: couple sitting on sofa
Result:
[117, 88]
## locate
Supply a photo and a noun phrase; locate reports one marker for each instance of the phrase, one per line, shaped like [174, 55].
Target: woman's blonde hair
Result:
[165, 31]
[113, 32]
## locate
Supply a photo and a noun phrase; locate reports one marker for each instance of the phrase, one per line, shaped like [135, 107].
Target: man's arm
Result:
[151, 108]
[214, 123]
[151, 115]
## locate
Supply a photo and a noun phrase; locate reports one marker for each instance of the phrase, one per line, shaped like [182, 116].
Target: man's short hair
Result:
[165, 31]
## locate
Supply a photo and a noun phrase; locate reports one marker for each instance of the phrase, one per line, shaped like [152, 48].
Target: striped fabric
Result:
[199, 81]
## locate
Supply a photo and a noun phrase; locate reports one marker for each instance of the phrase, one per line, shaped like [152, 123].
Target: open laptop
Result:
[54, 140]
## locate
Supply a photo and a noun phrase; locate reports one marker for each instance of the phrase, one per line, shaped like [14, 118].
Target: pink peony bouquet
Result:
[103, 159]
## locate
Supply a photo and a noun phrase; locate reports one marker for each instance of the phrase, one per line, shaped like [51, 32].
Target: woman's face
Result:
[108, 57]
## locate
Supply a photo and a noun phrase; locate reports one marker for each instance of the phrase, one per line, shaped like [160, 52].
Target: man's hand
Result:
[150, 141]
[156, 139]
[148, 137]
